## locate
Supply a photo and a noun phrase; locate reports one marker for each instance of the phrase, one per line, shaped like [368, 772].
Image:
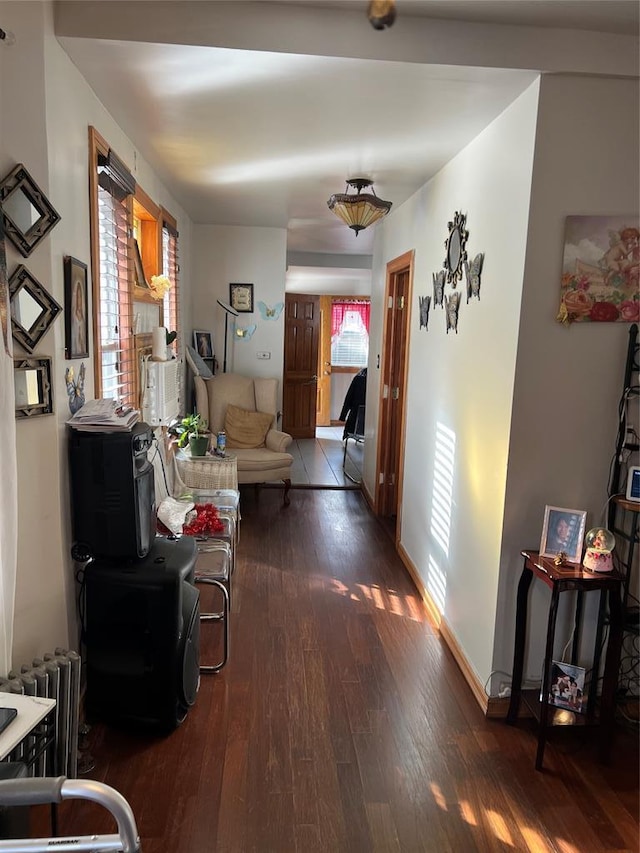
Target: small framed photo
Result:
[241, 297]
[567, 686]
[76, 313]
[141, 280]
[203, 344]
[563, 532]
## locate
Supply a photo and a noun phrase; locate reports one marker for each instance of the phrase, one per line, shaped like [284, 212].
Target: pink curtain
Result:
[339, 309]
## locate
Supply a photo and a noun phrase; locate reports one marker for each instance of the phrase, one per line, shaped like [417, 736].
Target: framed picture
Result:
[141, 281]
[241, 297]
[567, 686]
[600, 270]
[203, 344]
[563, 532]
[76, 314]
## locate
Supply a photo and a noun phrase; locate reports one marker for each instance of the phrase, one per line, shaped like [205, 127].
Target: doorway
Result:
[300, 382]
[392, 408]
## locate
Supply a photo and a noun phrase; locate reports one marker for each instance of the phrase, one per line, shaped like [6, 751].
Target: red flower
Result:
[630, 310]
[603, 312]
[205, 523]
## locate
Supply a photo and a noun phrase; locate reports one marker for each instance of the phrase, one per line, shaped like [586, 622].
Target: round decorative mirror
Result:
[455, 245]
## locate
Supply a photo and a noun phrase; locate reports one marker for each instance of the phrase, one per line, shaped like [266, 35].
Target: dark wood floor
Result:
[342, 723]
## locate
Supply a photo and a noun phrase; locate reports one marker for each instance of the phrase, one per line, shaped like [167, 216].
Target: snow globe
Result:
[600, 543]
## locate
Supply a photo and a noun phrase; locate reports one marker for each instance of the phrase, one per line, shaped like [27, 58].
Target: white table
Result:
[31, 712]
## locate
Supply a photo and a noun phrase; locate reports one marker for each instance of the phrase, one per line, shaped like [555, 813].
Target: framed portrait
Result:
[203, 343]
[563, 532]
[76, 308]
[241, 297]
[567, 687]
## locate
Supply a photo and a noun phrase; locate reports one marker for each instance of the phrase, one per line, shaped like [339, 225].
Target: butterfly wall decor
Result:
[244, 334]
[425, 305]
[270, 312]
[438, 287]
[75, 388]
[472, 271]
[452, 306]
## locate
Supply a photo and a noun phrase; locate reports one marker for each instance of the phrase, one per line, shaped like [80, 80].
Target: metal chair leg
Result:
[221, 616]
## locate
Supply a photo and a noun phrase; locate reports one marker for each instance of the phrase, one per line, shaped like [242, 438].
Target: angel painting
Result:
[601, 270]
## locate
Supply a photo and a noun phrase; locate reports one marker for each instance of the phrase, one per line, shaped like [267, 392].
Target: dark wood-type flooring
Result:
[342, 722]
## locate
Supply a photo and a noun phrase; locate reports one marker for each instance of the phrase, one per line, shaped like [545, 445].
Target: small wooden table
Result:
[571, 576]
[29, 729]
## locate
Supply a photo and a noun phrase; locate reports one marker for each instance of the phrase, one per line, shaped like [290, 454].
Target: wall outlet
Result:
[263, 355]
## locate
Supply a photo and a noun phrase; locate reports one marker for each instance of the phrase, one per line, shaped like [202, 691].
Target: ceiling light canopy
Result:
[359, 210]
[381, 13]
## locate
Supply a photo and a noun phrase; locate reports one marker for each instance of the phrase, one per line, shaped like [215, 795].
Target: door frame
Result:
[401, 264]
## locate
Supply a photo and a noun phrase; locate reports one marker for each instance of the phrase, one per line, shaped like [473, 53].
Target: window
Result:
[111, 186]
[125, 235]
[349, 333]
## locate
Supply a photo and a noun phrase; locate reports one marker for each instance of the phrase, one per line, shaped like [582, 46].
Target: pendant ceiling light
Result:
[359, 209]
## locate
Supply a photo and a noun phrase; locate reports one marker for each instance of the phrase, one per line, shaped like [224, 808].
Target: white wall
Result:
[461, 383]
[227, 253]
[563, 431]
[47, 108]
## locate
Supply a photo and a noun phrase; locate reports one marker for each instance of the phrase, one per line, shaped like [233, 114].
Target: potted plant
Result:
[192, 429]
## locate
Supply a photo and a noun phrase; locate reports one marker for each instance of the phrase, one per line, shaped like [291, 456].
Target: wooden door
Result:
[301, 338]
[393, 391]
[323, 404]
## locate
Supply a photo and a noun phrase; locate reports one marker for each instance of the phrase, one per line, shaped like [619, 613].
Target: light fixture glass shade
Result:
[359, 210]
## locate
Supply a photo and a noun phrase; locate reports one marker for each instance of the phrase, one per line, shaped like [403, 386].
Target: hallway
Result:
[342, 724]
[317, 463]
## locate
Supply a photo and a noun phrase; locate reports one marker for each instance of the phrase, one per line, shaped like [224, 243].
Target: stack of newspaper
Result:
[104, 416]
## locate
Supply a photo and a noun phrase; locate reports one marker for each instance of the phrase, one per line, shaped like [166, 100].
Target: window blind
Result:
[116, 344]
[171, 268]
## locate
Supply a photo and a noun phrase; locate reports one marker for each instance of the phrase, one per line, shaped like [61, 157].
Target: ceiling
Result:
[262, 137]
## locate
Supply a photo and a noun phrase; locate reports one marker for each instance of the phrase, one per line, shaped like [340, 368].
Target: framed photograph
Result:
[76, 313]
[567, 687]
[241, 297]
[203, 344]
[141, 281]
[563, 532]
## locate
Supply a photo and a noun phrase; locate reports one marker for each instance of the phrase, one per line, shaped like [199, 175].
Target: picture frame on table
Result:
[203, 343]
[563, 532]
[241, 297]
[76, 308]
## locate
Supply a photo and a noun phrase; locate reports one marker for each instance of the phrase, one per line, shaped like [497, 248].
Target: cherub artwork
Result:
[438, 287]
[425, 304]
[600, 270]
[270, 312]
[452, 306]
[472, 271]
[75, 388]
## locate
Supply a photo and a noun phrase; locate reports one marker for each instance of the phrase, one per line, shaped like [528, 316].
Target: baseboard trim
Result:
[488, 706]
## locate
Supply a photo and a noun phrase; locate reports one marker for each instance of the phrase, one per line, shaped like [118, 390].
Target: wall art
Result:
[27, 213]
[451, 312]
[75, 388]
[203, 344]
[244, 334]
[438, 287]
[270, 312]
[33, 310]
[455, 244]
[472, 272]
[4, 294]
[76, 312]
[241, 297]
[33, 391]
[425, 304]
[600, 270]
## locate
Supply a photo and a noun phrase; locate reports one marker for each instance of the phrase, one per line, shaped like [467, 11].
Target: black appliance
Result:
[112, 493]
[142, 636]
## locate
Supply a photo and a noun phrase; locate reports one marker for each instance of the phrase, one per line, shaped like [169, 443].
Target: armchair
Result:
[268, 460]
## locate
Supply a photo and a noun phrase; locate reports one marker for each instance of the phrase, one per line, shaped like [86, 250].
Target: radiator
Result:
[56, 676]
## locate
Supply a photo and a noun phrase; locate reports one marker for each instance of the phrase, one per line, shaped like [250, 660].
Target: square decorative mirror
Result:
[26, 212]
[33, 391]
[33, 310]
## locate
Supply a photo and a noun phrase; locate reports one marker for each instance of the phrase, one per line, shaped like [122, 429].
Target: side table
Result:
[208, 472]
[570, 576]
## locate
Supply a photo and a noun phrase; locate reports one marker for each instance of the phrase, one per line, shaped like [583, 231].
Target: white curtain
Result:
[8, 504]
